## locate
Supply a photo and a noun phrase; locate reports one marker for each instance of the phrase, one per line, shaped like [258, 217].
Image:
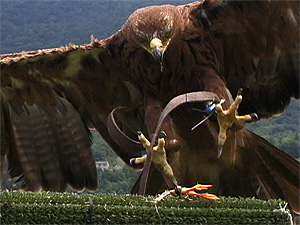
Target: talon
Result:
[143, 140]
[222, 101]
[138, 160]
[178, 190]
[254, 117]
[137, 165]
[132, 161]
[220, 150]
[162, 134]
[227, 118]
[240, 91]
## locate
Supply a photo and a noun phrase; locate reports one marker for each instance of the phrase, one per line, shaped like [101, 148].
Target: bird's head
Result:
[152, 28]
[157, 49]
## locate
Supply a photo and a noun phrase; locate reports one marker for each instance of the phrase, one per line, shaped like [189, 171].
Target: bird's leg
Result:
[146, 145]
[159, 157]
[160, 160]
[227, 118]
[138, 160]
[153, 112]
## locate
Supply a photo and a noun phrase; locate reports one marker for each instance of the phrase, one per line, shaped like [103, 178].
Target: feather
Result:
[82, 143]
[277, 171]
[25, 144]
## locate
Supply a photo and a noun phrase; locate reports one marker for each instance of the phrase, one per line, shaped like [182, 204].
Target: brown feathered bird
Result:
[48, 96]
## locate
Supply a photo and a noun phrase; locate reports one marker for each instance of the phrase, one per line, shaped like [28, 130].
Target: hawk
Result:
[50, 96]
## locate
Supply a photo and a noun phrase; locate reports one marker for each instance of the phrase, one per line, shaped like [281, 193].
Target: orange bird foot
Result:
[188, 192]
[192, 192]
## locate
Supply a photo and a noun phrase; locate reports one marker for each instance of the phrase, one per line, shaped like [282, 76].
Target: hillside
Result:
[282, 130]
[33, 24]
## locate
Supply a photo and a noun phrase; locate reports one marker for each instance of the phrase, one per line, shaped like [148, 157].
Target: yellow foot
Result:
[159, 157]
[226, 119]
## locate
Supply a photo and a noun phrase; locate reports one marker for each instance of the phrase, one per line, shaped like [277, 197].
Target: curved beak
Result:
[157, 51]
[158, 56]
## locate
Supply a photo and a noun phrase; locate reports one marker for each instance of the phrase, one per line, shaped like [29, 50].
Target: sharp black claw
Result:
[254, 116]
[220, 150]
[178, 190]
[162, 134]
[174, 181]
[240, 91]
[132, 162]
[216, 100]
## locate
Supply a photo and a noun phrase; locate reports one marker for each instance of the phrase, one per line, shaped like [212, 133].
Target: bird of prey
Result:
[50, 96]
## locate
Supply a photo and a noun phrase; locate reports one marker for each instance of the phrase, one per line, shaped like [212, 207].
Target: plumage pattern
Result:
[215, 46]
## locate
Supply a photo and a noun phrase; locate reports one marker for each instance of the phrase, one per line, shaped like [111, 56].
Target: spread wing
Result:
[49, 97]
[258, 42]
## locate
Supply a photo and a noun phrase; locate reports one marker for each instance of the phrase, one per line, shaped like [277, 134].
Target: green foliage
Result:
[282, 131]
[101, 150]
[62, 208]
[117, 182]
[112, 181]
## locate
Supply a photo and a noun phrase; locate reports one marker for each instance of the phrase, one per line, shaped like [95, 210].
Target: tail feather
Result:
[278, 161]
[270, 188]
[276, 171]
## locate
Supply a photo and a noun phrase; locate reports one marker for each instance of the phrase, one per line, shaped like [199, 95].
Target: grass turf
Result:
[71, 208]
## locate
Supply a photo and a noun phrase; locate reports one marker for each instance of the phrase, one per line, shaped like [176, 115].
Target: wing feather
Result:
[64, 90]
[25, 144]
[82, 145]
[69, 157]
[42, 143]
[276, 171]
[47, 148]
[260, 44]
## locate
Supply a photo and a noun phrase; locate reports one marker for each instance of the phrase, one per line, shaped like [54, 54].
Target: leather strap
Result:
[192, 97]
[118, 136]
[127, 143]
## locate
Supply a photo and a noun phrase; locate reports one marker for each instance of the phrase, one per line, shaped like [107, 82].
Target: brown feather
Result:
[276, 170]
[82, 143]
[25, 144]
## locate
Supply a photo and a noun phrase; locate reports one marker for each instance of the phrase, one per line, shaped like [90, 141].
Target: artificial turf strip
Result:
[70, 208]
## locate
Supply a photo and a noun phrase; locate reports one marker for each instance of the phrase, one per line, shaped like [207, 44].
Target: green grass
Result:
[67, 208]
